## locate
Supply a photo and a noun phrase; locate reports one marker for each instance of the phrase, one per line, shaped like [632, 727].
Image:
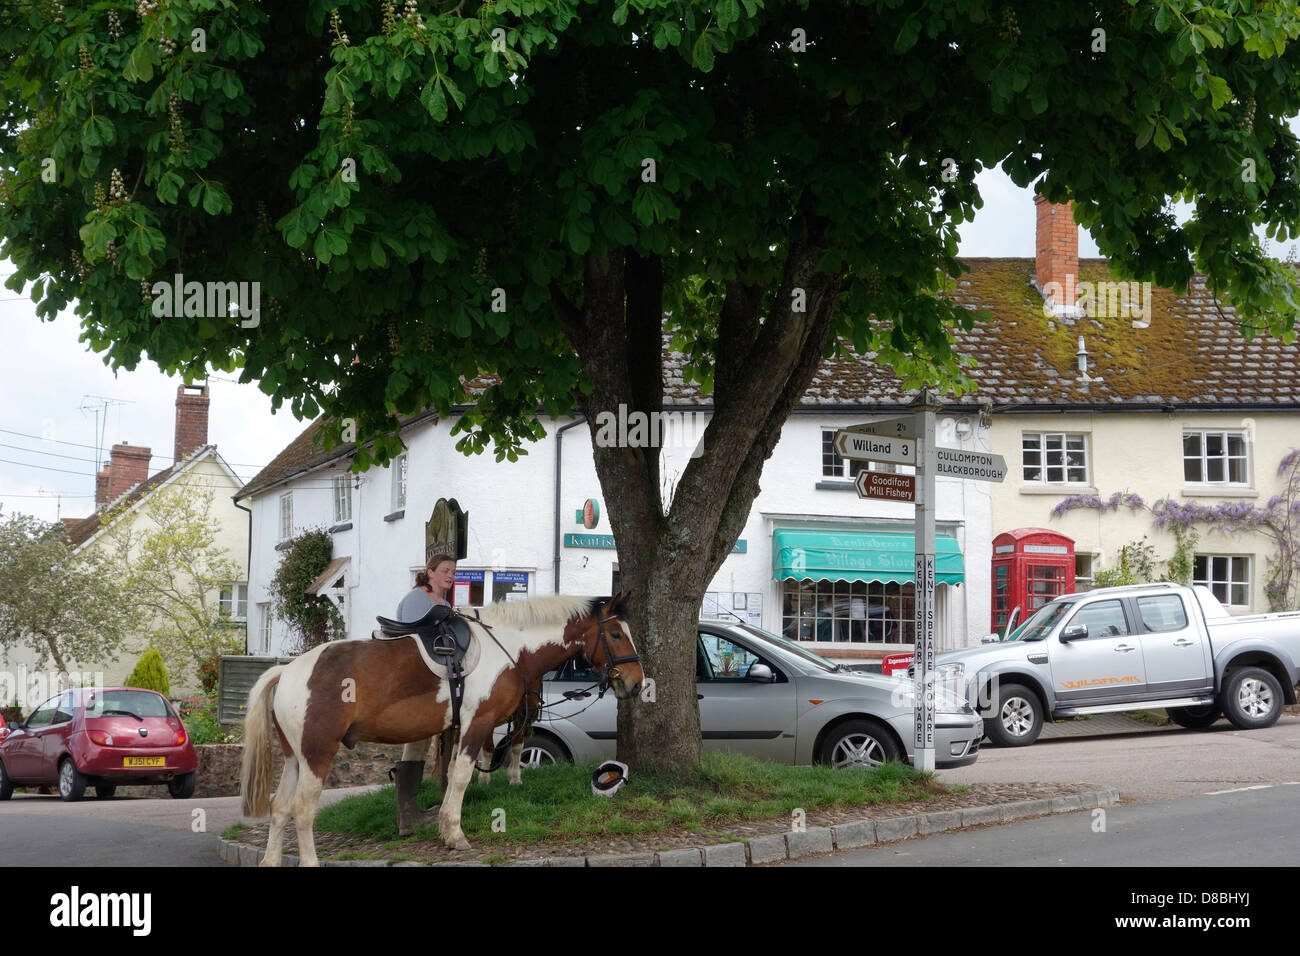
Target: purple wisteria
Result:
[1279, 520]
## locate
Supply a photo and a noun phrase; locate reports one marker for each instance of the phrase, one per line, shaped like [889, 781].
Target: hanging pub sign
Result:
[447, 530]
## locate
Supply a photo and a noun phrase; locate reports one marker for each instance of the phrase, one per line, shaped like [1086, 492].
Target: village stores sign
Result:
[906, 440]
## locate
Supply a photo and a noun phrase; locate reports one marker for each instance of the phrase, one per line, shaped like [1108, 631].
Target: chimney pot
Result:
[191, 420]
[1056, 258]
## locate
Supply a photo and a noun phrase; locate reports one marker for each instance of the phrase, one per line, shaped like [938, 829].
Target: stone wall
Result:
[219, 769]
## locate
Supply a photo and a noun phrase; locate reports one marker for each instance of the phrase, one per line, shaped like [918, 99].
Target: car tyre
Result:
[72, 782]
[1251, 698]
[539, 751]
[1019, 717]
[105, 790]
[1195, 718]
[6, 785]
[182, 787]
[859, 744]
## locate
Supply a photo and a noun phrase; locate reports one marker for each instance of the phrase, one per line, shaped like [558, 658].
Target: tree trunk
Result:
[667, 559]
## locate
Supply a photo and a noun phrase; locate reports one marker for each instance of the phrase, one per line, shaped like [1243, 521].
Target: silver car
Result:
[765, 696]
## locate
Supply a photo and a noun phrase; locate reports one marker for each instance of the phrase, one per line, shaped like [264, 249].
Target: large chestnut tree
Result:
[542, 190]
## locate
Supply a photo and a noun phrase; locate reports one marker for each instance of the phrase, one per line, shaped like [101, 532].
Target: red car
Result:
[99, 737]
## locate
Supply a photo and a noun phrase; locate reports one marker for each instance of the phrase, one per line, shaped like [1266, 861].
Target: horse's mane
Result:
[536, 612]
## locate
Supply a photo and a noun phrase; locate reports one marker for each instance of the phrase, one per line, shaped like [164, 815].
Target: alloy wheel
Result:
[1255, 698]
[858, 750]
[534, 757]
[1017, 716]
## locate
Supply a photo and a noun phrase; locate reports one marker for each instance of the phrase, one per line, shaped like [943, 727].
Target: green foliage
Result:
[201, 722]
[312, 619]
[391, 170]
[1136, 563]
[1183, 563]
[150, 673]
[66, 606]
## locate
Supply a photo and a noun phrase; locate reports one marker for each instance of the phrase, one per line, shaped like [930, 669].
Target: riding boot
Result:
[407, 776]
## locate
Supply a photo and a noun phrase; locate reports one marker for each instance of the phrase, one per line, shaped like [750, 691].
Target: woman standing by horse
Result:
[432, 587]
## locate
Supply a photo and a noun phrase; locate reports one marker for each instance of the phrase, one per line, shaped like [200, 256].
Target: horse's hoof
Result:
[266, 861]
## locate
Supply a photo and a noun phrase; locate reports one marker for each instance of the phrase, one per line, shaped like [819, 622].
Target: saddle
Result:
[443, 638]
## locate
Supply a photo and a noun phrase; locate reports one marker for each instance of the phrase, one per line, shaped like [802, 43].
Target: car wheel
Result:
[72, 782]
[859, 744]
[182, 787]
[1194, 718]
[105, 790]
[1019, 718]
[6, 785]
[541, 752]
[1251, 698]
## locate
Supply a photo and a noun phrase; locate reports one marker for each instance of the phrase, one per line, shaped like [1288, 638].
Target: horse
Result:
[381, 691]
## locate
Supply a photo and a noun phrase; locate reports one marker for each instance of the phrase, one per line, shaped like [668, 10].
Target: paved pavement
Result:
[1147, 763]
[1253, 828]
[1096, 724]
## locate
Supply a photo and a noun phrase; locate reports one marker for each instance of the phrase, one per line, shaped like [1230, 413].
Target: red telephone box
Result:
[1030, 567]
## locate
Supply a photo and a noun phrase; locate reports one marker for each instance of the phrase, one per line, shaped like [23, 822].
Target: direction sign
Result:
[897, 427]
[886, 487]
[899, 451]
[976, 465]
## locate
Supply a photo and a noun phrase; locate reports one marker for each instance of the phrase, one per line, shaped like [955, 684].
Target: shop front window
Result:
[844, 612]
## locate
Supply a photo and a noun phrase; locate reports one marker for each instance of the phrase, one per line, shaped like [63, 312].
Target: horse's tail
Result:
[259, 731]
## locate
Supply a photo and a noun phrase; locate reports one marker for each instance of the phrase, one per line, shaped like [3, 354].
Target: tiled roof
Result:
[304, 454]
[1193, 352]
[82, 531]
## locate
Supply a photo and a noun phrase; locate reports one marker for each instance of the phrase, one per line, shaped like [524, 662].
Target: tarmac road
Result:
[1148, 763]
[122, 831]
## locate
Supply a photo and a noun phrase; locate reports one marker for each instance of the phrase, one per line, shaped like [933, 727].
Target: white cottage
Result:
[815, 561]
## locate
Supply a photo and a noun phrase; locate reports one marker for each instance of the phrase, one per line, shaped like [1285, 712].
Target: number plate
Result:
[142, 761]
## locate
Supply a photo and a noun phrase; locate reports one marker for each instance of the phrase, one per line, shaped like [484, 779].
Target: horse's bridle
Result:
[611, 662]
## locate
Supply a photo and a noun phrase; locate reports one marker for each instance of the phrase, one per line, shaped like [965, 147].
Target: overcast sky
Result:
[52, 386]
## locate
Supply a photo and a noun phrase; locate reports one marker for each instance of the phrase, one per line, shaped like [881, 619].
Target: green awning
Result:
[859, 556]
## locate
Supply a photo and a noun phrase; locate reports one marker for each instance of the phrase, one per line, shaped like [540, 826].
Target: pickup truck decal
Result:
[1097, 681]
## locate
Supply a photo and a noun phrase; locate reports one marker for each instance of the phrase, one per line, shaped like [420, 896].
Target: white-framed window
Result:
[398, 469]
[342, 499]
[1054, 458]
[1083, 571]
[264, 633]
[1215, 457]
[833, 466]
[1226, 575]
[233, 601]
[286, 516]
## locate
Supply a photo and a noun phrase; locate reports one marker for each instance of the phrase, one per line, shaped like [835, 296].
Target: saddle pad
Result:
[467, 663]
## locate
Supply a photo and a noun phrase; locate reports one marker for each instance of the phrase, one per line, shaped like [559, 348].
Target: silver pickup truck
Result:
[1129, 648]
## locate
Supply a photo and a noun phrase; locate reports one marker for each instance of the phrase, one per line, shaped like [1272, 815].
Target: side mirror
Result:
[1075, 632]
[760, 673]
[990, 639]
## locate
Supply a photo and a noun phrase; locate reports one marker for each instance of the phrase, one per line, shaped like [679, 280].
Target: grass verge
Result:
[556, 802]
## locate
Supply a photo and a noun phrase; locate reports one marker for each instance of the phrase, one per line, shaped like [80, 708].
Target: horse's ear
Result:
[618, 603]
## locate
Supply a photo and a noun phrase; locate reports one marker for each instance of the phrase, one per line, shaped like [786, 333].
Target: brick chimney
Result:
[191, 419]
[1056, 258]
[128, 467]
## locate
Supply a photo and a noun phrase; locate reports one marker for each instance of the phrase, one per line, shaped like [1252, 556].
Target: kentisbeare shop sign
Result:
[447, 530]
[606, 542]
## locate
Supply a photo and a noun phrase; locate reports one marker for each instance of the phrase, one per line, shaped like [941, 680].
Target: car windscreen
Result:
[790, 647]
[1044, 619]
[115, 703]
